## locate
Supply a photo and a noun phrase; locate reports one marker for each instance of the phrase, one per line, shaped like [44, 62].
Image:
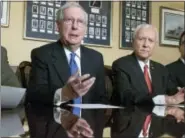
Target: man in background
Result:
[138, 79]
[177, 68]
[8, 77]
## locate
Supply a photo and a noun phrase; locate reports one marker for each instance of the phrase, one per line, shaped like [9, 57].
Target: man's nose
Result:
[146, 43]
[75, 25]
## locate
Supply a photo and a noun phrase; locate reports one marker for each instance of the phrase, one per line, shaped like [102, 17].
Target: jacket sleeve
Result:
[8, 77]
[39, 90]
[100, 82]
[124, 92]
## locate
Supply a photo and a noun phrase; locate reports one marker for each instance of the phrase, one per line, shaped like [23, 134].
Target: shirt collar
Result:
[68, 52]
[142, 64]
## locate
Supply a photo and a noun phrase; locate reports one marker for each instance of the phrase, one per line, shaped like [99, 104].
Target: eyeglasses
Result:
[70, 21]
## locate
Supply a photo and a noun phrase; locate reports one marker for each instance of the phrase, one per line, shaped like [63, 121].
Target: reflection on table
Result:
[49, 122]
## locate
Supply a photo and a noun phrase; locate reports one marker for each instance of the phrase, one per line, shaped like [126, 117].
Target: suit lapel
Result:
[139, 73]
[85, 62]
[154, 76]
[60, 62]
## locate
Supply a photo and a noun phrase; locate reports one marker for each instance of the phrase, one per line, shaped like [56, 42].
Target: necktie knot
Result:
[146, 67]
[73, 55]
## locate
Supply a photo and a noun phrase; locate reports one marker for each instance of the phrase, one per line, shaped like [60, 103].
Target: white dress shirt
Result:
[159, 99]
[183, 61]
[58, 96]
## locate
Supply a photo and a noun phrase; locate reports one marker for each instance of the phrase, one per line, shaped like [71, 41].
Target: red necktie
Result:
[146, 124]
[147, 78]
[149, 85]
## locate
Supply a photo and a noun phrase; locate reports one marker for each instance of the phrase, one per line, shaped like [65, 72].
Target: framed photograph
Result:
[39, 22]
[95, 4]
[42, 10]
[99, 23]
[171, 26]
[5, 11]
[133, 13]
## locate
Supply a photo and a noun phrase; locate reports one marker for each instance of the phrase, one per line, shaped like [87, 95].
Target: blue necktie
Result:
[73, 70]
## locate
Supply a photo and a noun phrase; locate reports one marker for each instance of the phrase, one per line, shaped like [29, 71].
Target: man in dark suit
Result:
[177, 68]
[61, 70]
[137, 79]
[8, 77]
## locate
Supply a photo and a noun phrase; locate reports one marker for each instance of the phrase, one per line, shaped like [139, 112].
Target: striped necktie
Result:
[73, 70]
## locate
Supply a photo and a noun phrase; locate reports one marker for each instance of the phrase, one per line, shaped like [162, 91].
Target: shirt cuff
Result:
[159, 100]
[58, 97]
[57, 114]
[159, 110]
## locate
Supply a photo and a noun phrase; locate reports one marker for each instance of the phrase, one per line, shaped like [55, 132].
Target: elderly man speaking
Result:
[65, 70]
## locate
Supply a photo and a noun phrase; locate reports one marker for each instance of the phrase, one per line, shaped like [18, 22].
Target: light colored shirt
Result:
[159, 99]
[183, 61]
[58, 96]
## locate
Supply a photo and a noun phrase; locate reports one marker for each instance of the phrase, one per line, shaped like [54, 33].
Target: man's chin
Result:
[144, 57]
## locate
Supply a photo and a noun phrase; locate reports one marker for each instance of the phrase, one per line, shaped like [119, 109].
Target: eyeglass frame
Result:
[70, 21]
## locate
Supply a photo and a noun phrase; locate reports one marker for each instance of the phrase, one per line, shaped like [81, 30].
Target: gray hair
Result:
[141, 26]
[60, 12]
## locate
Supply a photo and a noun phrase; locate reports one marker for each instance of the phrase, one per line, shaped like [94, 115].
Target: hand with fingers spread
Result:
[80, 129]
[77, 86]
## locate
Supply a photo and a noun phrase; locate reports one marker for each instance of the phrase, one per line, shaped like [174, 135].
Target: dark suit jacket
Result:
[128, 123]
[129, 83]
[177, 70]
[50, 71]
[42, 124]
[8, 77]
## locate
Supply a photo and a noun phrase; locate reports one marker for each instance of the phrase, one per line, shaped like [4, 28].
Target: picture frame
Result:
[40, 20]
[132, 14]
[5, 13]
[99, 26]
[171, 26]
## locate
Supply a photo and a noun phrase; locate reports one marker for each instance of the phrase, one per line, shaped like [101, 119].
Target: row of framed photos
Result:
[171, 22]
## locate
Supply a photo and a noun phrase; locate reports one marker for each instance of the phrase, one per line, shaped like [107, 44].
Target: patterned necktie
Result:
[146, 124]
[147, 79]
[73, 70]
[149, 85]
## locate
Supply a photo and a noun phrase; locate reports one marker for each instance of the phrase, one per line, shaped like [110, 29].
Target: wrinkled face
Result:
[73, 27]
[182, 47]
[144, 43]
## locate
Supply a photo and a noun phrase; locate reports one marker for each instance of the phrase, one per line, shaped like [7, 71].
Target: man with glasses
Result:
[177, 68]
[65, 70]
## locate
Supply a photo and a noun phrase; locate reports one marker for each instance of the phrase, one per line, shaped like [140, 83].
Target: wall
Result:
[19, 49]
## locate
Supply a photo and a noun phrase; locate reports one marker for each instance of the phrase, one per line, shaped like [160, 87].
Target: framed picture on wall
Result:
[171, 26]
[5, 11]
[99, 23]
[133, 13]
[40, 20]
